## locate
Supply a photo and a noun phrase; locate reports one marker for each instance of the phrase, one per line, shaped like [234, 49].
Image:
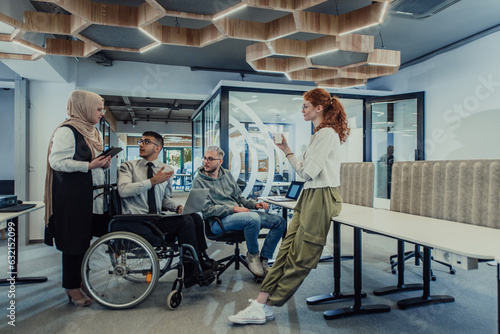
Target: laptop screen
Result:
[294, 190]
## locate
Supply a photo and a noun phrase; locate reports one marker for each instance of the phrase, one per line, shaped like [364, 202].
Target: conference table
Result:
[12, 232]
[429, 233]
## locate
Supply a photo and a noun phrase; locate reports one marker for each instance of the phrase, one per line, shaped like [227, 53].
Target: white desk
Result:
[428, 232]
[12, 231]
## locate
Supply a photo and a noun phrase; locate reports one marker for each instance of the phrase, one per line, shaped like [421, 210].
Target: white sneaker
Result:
[253, 261]
[265, 266]
[268, 311]
[253, 314]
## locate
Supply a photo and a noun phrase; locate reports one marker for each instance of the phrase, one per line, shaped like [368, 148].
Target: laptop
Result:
[17, 207]
[292, 194]
[195, 201]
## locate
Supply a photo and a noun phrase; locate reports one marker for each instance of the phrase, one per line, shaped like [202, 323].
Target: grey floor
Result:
[43, 308]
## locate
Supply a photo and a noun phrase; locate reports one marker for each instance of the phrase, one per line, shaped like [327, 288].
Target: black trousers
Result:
[187, 229]
[72, 270]
[72, 263]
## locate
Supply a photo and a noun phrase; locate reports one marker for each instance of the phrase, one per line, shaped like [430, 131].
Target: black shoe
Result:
[210, 264]
[206, 278]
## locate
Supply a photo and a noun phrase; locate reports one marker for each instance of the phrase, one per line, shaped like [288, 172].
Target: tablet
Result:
[112, 151]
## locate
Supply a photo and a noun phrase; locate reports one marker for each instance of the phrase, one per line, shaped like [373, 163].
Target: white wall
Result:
[462, 100]
[47, 111]
[7, 133]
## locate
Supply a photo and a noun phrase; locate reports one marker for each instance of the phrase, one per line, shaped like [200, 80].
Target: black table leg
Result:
[357, 308]
[12, 257]
[401, 280]
[426, 298]
[336, 294]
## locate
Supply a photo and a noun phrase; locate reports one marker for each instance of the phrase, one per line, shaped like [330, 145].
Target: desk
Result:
[286, 205]
[425, 231]
[13, 238]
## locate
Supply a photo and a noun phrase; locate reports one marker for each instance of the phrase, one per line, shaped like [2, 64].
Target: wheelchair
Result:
[122, 268]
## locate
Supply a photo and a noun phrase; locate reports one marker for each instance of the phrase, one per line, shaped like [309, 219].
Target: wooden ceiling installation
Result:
[272, 51]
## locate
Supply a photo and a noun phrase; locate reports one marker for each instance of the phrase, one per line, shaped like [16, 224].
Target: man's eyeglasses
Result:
[146, 142]
[210, 159]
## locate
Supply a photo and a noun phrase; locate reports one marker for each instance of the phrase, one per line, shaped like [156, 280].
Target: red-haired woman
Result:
[301, 249]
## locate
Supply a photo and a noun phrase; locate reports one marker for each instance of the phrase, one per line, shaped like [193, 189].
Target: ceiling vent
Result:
[419, 9]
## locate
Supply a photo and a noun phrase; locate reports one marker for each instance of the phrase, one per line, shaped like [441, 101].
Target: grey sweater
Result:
[224, 194]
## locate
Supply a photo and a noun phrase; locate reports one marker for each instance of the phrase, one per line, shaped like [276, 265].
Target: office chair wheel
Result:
[219, 281]
[433, 278]
[174, 299]
[394, 271]
[453, 272]
[120, 270]
[258, 279]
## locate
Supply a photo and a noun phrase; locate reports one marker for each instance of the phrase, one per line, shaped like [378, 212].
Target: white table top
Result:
[465, 239]
[10, 215]
[285, 204]
[281, 184]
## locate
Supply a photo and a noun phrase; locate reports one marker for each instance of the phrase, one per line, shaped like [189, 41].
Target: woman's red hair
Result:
[334, 115]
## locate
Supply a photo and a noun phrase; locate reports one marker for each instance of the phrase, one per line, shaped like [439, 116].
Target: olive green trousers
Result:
[301, 249]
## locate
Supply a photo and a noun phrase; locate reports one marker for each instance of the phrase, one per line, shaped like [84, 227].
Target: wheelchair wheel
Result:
[120, 270]
[174, 299]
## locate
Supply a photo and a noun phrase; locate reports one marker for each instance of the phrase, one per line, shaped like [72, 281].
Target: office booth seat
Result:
[231, 238]
[121, 269]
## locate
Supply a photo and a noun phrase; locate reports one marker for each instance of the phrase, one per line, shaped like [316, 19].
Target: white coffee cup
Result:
[278, 139]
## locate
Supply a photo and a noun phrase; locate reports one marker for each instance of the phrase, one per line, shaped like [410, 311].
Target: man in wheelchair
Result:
[145, 186]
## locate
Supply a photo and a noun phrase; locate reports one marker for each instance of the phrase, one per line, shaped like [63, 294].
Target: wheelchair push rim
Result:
[120, 270]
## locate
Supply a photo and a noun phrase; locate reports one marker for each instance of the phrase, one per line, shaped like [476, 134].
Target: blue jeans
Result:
[251, 223]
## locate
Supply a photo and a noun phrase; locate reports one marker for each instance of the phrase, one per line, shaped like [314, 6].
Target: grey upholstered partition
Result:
[356, 183]
[466, 191]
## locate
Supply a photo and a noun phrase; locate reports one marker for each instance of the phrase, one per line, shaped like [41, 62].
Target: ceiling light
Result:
[353, 30]
[147, 33]
[324, 52]
[230, 12]
[379, 64]
[149, 47]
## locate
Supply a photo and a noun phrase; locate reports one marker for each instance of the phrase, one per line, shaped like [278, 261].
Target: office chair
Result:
[417, 254]
[230, 238]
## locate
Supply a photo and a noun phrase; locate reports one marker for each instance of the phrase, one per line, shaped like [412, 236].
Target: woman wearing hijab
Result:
[72, 170]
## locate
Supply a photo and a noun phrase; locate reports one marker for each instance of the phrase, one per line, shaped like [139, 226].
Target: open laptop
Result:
[195, 201]
[292, 194]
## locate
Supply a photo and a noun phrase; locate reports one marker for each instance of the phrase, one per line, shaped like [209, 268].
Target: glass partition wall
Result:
[242, 122]
[397, 132]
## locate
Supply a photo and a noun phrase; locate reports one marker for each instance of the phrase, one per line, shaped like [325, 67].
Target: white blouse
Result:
[61, 160]
[320, 163]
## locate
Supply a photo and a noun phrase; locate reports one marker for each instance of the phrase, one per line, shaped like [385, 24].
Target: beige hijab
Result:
[81, 108]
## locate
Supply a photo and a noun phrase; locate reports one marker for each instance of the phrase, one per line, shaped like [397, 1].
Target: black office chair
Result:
[418, 255]
[230, 238]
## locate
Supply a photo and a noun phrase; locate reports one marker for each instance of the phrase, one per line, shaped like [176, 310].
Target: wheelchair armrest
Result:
[146, 220]
[132, 217]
